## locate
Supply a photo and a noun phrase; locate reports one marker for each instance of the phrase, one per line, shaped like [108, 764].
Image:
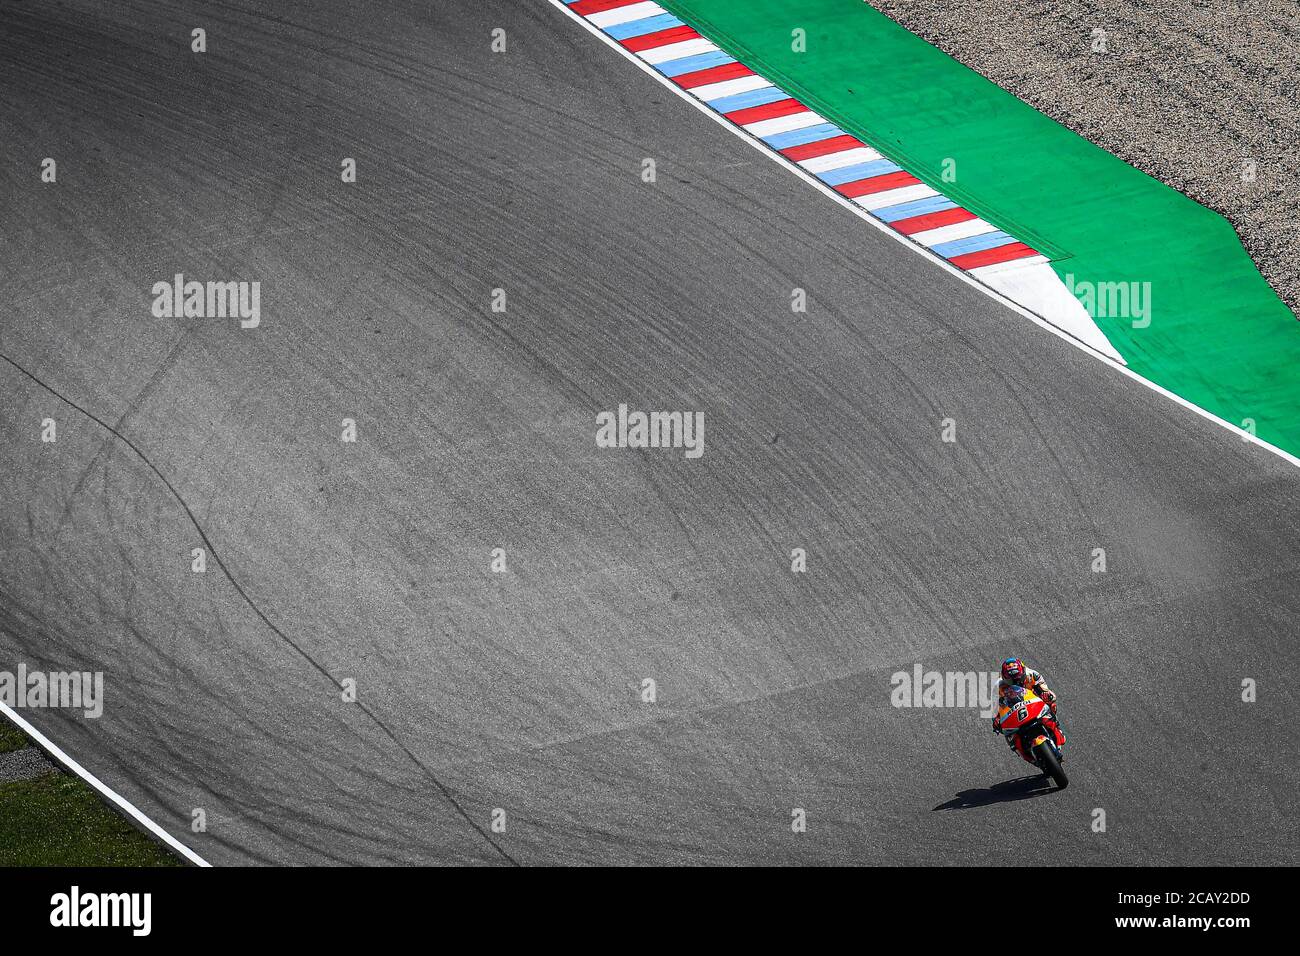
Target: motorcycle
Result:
[1031, 728]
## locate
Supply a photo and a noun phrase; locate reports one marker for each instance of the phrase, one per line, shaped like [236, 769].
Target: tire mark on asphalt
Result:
[216, 556]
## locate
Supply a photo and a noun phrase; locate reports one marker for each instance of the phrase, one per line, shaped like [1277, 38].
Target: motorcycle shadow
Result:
[1022, 788]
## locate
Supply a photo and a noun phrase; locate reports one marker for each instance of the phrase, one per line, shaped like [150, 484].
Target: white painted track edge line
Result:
[121, 801]
[862, 214]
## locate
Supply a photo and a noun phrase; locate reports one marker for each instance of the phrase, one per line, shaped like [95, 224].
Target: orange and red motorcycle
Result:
[1030, 726]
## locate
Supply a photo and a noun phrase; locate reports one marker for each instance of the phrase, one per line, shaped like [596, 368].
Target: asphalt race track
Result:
[521, 690]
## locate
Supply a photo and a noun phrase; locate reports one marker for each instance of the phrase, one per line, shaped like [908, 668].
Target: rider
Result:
[1016, 674]
[1017, 678]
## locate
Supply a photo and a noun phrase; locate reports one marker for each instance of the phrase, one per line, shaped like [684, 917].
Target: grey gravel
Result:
[1187, 92]
[23, 765]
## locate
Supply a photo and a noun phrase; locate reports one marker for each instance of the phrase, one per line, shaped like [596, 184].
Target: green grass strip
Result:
[57, 820]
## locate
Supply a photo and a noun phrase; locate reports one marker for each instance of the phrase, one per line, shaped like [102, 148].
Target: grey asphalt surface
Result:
[520, 690]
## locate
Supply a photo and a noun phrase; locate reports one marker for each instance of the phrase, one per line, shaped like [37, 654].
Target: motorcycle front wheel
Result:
[1051, 766]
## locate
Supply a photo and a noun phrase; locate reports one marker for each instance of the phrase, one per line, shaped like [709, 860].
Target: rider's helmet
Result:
[1013, 671]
